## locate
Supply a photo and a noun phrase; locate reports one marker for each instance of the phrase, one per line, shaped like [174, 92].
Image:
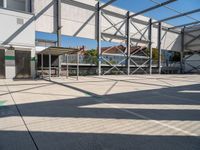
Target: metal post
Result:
[77, 65]
[99, 38]
[59, 33]
[67, 73]
[150, 46]
[128, 42]
[49, 66]
[31, 6]
[59, 23]
[59, 65]
[5, 3]
[42, 64]
[182, 49]
[159, 46]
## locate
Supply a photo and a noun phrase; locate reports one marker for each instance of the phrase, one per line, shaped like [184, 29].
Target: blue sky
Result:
[136, 6]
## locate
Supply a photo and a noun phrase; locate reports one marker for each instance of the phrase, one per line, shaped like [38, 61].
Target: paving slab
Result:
[140, 112]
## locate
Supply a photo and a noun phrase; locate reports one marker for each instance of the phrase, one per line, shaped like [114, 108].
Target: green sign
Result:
[2, 103]
[9, 57]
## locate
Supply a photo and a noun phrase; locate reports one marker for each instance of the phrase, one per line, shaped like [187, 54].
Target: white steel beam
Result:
[152, 8]
[108, 3]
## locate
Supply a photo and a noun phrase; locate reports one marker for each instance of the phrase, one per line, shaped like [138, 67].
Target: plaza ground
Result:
[158, 112]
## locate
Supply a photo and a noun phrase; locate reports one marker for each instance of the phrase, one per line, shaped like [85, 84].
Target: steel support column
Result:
[159, 46]
[67, 71]
[98, 31]
[77, 69]
[31, 6]
[42, 64]
[58, 23]
[59, 65]
[5, 3]
[128, 42]
[49, 66]
[182, 49]
[150, 46]
[59, 33]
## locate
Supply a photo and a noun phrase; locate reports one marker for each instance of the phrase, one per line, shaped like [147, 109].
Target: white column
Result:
[10, 67]
[49, 66]
[67, 73]
[5, 3]
[59, 65]
[77, 65]
[27, 5]
[42, 64]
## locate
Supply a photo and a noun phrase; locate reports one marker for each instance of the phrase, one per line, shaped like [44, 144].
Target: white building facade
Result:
[17, 39]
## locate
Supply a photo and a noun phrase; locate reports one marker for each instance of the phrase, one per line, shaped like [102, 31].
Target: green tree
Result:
[91, 56]
[92, 52]
[155, 54]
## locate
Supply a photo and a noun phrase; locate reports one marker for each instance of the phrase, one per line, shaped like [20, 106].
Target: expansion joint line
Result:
[21, 116]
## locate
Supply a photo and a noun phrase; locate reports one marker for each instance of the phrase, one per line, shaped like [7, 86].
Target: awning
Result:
[59, 51]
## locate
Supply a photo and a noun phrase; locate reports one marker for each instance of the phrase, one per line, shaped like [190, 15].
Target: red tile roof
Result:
[121, 49]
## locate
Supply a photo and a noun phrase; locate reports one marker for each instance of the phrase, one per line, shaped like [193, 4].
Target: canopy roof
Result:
[59, 51]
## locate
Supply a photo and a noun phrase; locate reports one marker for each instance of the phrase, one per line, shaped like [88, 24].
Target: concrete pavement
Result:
[101, 113]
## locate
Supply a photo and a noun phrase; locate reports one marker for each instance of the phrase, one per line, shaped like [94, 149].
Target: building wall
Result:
[17, 33]
[17, 28]
[18, 5]
[9, 64]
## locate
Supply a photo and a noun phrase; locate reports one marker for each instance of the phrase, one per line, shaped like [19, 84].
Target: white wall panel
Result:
[78, 22]
[46, 21]
[171, 41]
[195, 44]
[15, 33]
[192, 62]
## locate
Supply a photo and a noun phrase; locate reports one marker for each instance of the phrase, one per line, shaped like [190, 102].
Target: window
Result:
[16, 4]
[21, 5]
[1, 3]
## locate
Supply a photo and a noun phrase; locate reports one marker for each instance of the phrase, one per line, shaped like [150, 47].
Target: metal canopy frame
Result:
[118, 33]
[185, 25]
[178, 16]
[58, 51]
[108, 3]
[128, 39]
[129, 57]
[152, 8]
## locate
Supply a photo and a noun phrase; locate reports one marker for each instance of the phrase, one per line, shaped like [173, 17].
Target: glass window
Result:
[1, 3]
[17, 4]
